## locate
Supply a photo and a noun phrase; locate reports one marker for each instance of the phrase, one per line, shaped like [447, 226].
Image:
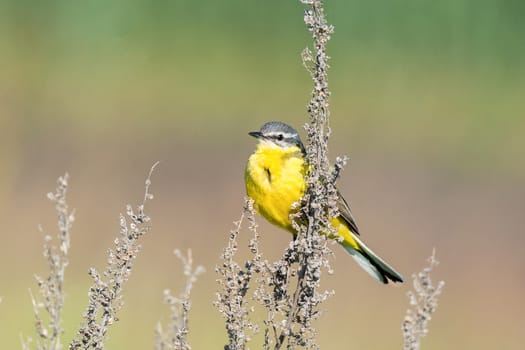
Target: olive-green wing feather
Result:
[345, 213]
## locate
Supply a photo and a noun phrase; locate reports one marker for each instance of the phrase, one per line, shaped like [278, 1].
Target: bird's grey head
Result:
[279, 134]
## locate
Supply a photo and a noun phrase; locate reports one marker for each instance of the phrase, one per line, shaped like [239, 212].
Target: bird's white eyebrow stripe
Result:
[285, 134]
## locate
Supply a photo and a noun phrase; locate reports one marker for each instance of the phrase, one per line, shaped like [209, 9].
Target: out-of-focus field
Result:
[428, 102]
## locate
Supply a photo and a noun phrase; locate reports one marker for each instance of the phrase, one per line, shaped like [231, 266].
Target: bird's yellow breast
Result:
[275, 180]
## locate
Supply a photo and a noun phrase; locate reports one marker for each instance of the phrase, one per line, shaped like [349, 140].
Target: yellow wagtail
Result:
[275, 179]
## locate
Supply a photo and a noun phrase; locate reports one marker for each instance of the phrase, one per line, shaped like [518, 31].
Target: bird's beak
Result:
[256, 134]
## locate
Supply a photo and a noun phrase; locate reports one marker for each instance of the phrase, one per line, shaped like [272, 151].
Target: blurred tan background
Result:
[428, 102]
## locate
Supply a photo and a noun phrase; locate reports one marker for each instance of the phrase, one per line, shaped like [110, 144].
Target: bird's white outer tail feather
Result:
[365, 264]
[372, 263]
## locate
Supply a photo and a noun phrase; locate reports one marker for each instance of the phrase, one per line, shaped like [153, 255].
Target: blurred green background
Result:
[427, 100]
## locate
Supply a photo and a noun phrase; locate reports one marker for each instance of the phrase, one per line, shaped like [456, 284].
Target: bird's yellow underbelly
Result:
[275, 182]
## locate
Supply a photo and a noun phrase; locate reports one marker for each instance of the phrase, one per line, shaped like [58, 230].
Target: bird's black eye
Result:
[280, 137]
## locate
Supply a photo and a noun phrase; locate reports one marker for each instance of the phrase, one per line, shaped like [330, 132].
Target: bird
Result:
[275, 180]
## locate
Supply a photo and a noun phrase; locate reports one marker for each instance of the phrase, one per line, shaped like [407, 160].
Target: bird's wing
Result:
[345, 213]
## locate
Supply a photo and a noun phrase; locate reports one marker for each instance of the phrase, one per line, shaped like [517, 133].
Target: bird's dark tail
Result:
[372, 263]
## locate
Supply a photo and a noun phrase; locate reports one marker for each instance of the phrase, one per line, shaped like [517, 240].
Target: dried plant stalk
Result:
[423, 303]
[234, 281]
[289, 288]
[309, 250]
[51, 288]
[105, 294]
[174, 337]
